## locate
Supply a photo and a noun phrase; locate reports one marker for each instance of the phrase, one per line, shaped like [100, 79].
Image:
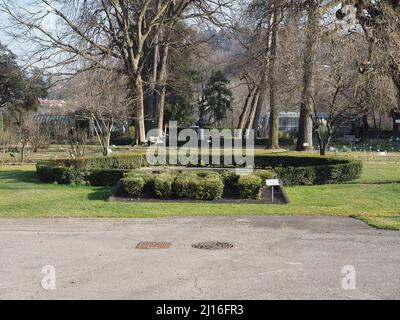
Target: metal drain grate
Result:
[212, 245]
[153, 245]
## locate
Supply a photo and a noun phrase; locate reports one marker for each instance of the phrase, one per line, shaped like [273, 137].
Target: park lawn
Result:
[374, 198]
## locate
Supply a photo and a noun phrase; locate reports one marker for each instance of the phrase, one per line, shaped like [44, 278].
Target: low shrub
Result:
[147, 177]
[124, 161]
[192, 186]
[265, 174]
[229, 178]
[249, 186]
[328, 174]
[45, 173]
[163, 184]
[185, 185]
[134, 186]
[108, 178]
[263, 161]
[211, 187]
[67, 175]
[292, 176]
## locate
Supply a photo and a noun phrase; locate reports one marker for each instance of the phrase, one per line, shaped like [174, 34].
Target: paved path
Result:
[274, 257]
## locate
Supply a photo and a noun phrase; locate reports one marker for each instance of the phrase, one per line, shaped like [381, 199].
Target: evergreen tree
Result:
[217, 98]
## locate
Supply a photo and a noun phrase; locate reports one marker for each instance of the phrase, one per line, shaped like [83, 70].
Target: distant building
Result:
[51, 106]
[289, 122]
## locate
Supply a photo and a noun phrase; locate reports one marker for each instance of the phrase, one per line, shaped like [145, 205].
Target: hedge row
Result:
[124, 161]
[291, 169]
[189, 185]
[68, 175]
[327, 174]
[138, 160]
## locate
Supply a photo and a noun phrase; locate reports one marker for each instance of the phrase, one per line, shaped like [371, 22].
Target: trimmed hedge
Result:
[45, 173]
[265, 174]
[249, 186]
[61, 175]
[138, 160]
[281, 160]
[133, 186]
[316, 175]
[124, 161]
[188, 185]
[147, 177]
[108, 178]
[291, 169]
[193, 186]
[163, 185]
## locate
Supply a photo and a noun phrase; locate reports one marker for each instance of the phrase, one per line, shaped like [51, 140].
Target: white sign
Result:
[382, 154]
[272, 182]
[397, 121]
[306, 144]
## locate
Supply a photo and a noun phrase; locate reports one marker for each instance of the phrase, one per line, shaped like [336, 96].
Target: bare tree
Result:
[304, 140]
[338, 86]
[97, 30]
[101, 95]
[379, 21]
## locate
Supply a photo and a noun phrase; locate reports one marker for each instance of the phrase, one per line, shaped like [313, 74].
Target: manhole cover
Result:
[153, 245]
[212, 245]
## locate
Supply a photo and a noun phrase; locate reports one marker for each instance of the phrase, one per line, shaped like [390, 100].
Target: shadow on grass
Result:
[375, 182]
[101, 194]
[20, 176]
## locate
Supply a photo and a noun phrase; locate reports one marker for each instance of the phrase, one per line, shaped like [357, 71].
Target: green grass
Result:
[374, 198]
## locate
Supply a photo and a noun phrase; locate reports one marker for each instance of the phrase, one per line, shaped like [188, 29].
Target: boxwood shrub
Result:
[105, 177]
[211, 187]
[250, 186]
[265, 174]
[134, 186]
[147, 177]
[163, 184]
[45, 173]
[198, 186]
[229, 178]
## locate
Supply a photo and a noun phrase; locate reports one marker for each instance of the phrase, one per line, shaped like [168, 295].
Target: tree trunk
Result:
[153, 97]
[395, 70]
[260, 103]
[162, 90]
[274, 109]
[254, 103]
[365, 124]
[23, 152]
[320, 142]
[326, 144]
[106, 144]
[263, 86]
[304, 141]
[139, 123]
[246, 109]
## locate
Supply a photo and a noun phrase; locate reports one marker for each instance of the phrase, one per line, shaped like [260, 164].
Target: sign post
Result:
[272, 183]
